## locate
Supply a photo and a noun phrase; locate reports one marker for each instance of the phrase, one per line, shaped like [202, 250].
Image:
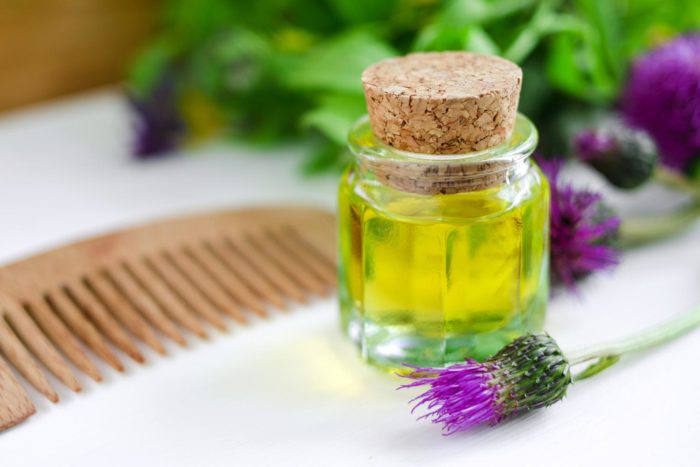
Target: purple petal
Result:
[582, 230]
[458, 397]
[662, 96]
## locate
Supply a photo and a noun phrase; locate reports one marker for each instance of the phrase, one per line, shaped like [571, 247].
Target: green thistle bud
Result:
[624, 156]
[531, 372]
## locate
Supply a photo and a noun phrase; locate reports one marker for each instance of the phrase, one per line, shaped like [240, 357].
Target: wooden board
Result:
[49, 48]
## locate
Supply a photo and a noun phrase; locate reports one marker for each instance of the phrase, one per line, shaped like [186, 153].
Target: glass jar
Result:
[442, 257]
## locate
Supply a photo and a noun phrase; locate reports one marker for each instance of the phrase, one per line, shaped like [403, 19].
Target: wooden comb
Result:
[159, 281]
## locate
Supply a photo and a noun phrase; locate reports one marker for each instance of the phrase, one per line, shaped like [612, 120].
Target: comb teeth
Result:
[102, 297]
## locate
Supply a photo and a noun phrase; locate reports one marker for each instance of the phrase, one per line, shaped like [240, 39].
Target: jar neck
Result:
[440, 178]
[433, 174]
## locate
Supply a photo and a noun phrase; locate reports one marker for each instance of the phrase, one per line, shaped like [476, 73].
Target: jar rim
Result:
[521, 144]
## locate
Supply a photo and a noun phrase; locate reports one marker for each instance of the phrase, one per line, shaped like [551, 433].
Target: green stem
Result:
[676, 180]
[639, 230]
[607, 354]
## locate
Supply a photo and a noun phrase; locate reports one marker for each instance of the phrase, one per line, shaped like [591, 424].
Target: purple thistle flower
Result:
[460, 396]
[159, 126]
[529, 373]
[662, 96]
[583, 230]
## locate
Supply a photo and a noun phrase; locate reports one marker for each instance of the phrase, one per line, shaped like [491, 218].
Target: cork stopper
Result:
[442, 102]
[443, 174]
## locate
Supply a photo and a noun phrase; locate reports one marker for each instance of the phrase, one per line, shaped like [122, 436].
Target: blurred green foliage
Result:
[273, 70]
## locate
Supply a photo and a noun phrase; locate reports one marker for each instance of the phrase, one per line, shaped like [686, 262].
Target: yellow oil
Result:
[434, 279]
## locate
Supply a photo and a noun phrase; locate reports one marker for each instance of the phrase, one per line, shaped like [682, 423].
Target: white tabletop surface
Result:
[291, 391]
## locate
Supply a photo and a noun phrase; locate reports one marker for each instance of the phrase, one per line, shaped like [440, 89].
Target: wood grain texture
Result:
[15, 405]
[32, 337]
[186, 290]
[161, 281]
[49, 48]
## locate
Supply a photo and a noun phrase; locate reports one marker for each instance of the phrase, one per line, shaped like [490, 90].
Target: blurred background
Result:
[271, 71]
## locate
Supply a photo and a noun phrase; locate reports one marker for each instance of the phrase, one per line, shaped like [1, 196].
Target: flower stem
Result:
[639, 230]
[678, 181]
[607, 354]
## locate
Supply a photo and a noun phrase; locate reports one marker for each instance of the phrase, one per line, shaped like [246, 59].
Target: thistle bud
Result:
[532, 373]
[624, 156]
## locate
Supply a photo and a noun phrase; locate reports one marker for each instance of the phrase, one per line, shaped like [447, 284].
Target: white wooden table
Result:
[291, 391]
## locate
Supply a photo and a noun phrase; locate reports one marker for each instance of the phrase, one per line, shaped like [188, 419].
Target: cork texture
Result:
[442, 102]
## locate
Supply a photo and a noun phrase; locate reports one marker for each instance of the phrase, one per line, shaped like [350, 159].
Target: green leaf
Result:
[426, 37]
[327, 156]
[150, 66]
[604, 39]
[646, 22]
[337, 65]
[335, 115]
[545, 21]
[536, 90]
[563, 67]
[192, 22]
[458, 12]
[478, 40]
[362, 11]
[466, 24]
[234, 61]
[467, 37]
[530, 35]
[595, 368]
[437, 37]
